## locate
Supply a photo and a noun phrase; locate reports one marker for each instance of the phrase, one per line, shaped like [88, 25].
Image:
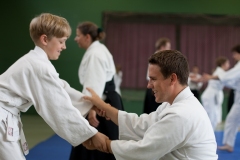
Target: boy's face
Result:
[54, 47]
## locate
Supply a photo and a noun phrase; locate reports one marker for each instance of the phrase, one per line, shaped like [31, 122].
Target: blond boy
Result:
[33, 80]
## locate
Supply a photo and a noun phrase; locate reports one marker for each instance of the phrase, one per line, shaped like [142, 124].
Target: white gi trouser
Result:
[10, 134]
[212, 99]
[220, 102]
[232, 121]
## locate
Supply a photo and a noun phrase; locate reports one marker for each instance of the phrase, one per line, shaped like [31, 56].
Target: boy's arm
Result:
[54, 105]
[76, 98]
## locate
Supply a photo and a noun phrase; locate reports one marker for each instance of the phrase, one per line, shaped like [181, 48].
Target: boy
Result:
[33, 80]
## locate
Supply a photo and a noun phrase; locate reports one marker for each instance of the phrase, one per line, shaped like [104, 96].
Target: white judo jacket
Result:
[97, 67]
[33, 80]
[178, 131]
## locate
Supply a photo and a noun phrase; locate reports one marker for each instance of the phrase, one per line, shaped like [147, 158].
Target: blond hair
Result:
[50, 25]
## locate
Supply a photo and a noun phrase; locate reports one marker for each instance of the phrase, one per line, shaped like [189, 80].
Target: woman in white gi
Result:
[212, 97]
[33, 80]
[231, 79]
[178, 130]
[96, 70]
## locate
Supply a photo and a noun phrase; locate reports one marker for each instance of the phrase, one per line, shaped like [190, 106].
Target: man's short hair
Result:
[161, 42]
[236, 49]
[50, 25]
[171, 61]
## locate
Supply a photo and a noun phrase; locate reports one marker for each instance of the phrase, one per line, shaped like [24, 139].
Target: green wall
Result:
[15, 17]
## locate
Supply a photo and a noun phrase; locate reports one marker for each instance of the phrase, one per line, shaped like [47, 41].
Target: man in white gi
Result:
[33, 80]
[178, 129]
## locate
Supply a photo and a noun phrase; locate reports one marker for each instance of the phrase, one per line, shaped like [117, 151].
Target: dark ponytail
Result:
[92, 29]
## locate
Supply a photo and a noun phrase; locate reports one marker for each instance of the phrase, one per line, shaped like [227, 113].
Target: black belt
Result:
[109, 86]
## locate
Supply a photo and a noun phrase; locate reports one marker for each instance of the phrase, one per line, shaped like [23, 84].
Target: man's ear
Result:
[173, 78]
[43, 39]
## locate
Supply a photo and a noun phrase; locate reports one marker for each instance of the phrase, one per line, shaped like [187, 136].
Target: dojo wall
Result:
[15, 17]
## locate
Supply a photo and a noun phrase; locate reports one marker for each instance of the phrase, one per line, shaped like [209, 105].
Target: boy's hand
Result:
[92, 118]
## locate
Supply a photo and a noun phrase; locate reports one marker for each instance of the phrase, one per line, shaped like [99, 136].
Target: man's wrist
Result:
[109, 146]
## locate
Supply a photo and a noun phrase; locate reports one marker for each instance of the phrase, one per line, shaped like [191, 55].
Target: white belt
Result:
[10, 128]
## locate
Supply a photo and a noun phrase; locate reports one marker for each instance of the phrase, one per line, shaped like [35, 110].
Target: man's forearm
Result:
[111, 113]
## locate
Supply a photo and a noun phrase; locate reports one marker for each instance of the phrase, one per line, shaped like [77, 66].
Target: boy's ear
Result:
[43, 39]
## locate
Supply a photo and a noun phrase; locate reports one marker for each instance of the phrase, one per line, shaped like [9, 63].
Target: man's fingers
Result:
[105, 147]
[87, 98]
[90, 90]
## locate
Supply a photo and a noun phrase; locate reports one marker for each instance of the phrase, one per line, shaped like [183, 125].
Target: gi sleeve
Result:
[95, 77]
[229, 77]
[54, 105]
[76, 98]
[161, 138]
[133, 127]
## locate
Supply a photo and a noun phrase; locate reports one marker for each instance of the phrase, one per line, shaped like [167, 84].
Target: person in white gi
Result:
[231, 79]
[150, 104]
[195, 86]
[118, 79]
[178, 129]
[212, 97]
[33, 80]
[97, 70]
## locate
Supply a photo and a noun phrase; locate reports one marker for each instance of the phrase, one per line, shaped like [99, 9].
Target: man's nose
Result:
[149, 85]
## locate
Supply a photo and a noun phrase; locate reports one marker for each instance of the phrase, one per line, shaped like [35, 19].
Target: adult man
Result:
[150, 104]
[178, 129]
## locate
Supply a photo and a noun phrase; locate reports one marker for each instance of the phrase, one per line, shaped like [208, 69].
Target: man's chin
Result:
[157, 101]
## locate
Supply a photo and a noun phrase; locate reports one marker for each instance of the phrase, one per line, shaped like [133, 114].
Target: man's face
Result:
[159, 85]
[166, 47]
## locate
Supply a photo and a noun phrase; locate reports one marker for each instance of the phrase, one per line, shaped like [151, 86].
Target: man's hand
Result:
[92, 118]
[95, 99]
[109, 146]
[104, 109]
[101, 113]
[89, 145]
[99, 142]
